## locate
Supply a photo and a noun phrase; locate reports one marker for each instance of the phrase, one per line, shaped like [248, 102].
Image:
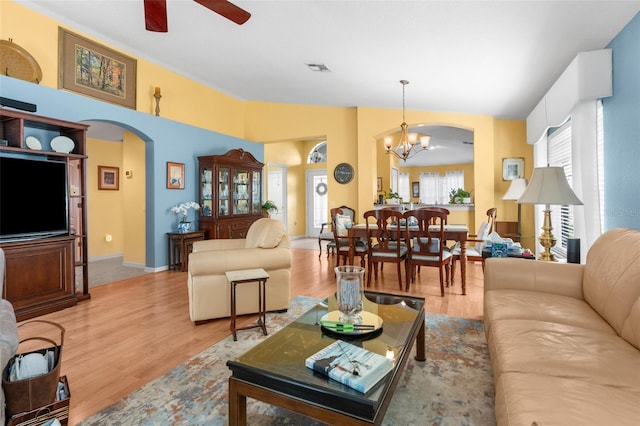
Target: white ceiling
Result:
[479, 57]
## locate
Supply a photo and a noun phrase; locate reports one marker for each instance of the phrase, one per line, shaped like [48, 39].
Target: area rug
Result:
[453, 387]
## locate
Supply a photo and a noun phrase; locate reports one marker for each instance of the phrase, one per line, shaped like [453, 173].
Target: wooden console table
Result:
[179, 245]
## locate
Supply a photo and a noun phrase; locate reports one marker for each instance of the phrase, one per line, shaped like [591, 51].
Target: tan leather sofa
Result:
[266, 246]
[564, 339]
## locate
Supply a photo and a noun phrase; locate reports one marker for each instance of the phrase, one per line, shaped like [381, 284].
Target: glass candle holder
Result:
[350, 292]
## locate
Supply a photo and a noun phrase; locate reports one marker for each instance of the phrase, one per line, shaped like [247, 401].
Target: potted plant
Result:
[391, 197]
[182, 211]
[459, 196]
[269, 207]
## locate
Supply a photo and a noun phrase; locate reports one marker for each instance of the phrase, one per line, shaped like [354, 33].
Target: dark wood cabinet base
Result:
[40, 276]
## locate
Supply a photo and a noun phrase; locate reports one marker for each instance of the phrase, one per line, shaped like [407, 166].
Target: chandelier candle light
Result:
[407, 142]
[548, 186]
[182, 211]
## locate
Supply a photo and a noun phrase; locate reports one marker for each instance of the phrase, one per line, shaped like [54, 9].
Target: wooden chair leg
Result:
[441, 282]
[400, 275]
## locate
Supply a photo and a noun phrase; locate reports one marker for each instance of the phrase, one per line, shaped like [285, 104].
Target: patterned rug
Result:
[453, 387]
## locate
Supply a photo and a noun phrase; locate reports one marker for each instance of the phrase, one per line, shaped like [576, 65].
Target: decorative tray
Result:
[369, 327]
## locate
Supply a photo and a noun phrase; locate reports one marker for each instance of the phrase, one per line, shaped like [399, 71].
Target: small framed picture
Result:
[512, 168]
[175, 175]
[108, 177]
[379, 184]
[415, 189]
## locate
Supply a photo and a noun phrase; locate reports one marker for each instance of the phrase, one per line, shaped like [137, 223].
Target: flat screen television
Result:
[33, 198]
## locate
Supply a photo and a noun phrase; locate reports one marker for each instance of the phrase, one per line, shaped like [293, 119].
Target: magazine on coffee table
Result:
[350, 365]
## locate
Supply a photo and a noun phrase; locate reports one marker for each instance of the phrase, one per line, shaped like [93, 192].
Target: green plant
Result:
[457, 194]
[391, 194]
[269, 207]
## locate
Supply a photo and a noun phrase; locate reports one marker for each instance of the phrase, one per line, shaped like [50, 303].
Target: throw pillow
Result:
[265, 233]
[343, 222]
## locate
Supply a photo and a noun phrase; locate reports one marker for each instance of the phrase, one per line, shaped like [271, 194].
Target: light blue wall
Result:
[622, 132]
[165, 140]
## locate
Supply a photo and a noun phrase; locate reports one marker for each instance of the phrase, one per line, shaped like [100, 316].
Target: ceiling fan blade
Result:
[226, 9]
[155, 15]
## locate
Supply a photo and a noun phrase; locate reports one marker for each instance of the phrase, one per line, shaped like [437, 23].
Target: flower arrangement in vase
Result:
[182, 211]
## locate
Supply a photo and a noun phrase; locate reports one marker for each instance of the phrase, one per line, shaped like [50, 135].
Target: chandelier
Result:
[407, 144]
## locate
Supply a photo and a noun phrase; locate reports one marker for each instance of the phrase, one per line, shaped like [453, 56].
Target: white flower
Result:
[182, 210]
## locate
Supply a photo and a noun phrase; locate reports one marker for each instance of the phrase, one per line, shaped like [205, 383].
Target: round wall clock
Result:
[343, 173]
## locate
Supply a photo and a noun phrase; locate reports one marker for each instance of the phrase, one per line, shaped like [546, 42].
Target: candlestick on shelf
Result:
[157, 95]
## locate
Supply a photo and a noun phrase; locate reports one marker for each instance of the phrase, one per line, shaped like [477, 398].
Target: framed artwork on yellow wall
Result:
[379, 185]
[108, 178]
[91, 69]
[512, 168]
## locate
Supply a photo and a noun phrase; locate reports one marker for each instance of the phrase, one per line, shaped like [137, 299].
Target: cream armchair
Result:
[266, 246]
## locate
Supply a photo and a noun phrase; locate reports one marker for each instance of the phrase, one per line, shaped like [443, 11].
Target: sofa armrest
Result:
[523, 274]
[218, 262]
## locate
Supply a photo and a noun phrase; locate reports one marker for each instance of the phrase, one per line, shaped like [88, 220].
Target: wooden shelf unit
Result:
[53, 285]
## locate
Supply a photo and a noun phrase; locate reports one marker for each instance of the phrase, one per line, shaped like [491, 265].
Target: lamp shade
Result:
[549, 186]
[516, 189]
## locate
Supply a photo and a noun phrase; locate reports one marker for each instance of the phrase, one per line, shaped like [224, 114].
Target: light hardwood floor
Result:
[135, 330]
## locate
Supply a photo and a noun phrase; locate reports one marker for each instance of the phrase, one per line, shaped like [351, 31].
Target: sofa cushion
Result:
[529, 346]
[265, 233]
[540, 306]
[612, 281]
[524, 398]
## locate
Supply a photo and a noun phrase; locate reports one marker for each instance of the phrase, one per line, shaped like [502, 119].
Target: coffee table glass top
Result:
[278, 362]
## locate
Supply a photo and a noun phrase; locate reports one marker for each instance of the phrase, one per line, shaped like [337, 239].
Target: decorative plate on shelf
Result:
[62, 144]
[33, 143]
[16, 62]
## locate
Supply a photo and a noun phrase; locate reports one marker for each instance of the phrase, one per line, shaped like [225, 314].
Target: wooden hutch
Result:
[230, 193]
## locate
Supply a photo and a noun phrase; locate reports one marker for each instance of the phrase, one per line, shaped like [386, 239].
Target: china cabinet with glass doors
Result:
[230, 193]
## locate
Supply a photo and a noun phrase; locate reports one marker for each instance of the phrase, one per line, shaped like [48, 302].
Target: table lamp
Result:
[548, 186]
[515, 191]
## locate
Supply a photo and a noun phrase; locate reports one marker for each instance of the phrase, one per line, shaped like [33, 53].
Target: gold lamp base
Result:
[547, 240]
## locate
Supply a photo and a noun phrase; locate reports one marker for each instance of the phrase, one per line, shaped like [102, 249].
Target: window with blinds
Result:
[403, 187]
[434, 189]
[559, 154]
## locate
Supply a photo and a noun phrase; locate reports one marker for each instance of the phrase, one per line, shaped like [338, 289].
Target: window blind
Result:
[559, 154]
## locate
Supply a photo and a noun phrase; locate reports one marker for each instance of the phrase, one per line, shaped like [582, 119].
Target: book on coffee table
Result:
[350, 365]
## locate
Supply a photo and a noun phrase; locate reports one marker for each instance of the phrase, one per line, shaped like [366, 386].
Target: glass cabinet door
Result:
[223, 192]
[256, 205]
[241, 191]
[206, 191]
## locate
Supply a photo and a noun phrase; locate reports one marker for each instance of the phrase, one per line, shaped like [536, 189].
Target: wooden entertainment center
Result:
[41, 272]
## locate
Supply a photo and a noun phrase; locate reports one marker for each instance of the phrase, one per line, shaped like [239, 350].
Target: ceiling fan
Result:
[155, 13]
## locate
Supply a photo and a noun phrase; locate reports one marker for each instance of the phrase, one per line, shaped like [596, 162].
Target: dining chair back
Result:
[475, 242]
[386, 241]
[341, 221]
[328, 234]
[426, 233]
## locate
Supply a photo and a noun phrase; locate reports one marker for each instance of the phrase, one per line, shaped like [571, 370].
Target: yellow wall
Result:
[350, 132]
[134, 208]
[105, 207]
[183, 99]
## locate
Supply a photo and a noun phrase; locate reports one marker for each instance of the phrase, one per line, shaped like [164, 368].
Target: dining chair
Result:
[475, 242]
[328, 235]
[427, 244]
[340, 224]
[385, 241]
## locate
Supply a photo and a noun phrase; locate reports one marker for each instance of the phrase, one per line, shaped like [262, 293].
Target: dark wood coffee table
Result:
[274, 371]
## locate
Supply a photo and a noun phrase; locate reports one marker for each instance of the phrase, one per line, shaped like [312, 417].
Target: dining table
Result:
[452, 232]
